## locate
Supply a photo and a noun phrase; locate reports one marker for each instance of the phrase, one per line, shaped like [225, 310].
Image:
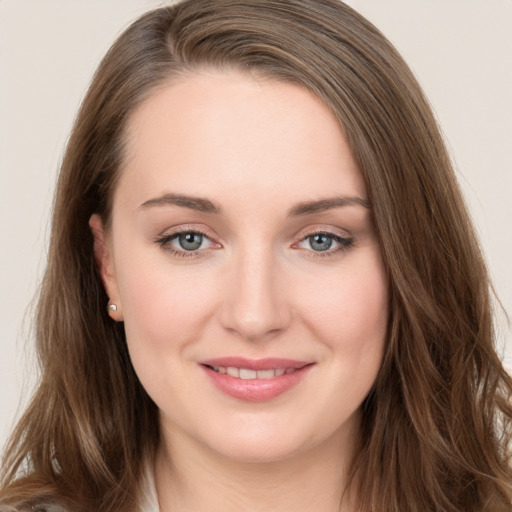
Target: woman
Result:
[263, 288]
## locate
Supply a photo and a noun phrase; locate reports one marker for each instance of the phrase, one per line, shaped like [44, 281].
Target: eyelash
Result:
[163, 241]
[345, 243]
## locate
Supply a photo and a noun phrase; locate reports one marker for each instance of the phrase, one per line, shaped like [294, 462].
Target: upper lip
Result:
[268, 363]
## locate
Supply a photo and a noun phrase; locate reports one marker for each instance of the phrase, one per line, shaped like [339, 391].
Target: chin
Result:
[259, 451]
[274, 440]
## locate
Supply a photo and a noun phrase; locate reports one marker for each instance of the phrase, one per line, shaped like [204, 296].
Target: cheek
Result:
[165, 314]
[164, 307]
[351, 312]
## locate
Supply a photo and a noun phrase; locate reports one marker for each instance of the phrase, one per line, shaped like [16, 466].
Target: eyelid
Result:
[189, 227]
[343, 239]
[169, 234]
[319, 229]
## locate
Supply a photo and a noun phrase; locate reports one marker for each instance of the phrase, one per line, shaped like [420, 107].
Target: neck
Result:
[198, 479]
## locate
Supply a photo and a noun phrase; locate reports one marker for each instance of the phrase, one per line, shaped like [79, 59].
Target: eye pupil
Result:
[320, 242]
[190, 241]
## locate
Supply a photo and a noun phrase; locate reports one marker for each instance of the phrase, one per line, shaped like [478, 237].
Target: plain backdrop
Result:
[460, 50]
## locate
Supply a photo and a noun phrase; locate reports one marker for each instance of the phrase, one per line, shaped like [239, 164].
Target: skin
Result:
[257, 287]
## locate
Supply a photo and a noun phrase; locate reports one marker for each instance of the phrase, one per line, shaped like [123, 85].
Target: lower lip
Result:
[256, 390]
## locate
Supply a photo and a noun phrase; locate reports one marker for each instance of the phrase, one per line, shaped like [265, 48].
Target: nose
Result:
[255, 305]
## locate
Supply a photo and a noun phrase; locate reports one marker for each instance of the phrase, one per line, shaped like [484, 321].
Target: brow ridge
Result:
[208, 206]
[194, 203]
[310, 207]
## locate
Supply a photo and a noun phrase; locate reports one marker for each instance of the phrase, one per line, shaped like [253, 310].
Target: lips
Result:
[246, 373]
[255, 380]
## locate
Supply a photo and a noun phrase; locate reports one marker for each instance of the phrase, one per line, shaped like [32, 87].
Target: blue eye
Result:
[327, 243]
[189, 241]
[185, 243]
[320, 242]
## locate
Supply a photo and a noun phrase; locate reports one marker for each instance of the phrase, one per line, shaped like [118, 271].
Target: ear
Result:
[104, 260]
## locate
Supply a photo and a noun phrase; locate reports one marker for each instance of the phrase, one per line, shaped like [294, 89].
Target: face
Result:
[245, 266]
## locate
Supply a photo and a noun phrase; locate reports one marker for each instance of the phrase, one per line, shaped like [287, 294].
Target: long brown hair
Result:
[437, 425]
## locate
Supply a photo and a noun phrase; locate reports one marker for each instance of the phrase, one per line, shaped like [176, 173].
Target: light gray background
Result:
[461, 51]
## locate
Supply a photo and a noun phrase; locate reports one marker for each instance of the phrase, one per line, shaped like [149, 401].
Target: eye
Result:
[320, 242]
[327, 243]
[189, 241]
[186, 243]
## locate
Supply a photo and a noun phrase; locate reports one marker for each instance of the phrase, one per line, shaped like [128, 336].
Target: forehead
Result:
[212, 130]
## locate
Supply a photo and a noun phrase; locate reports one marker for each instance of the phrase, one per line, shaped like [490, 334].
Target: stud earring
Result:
[111, 308]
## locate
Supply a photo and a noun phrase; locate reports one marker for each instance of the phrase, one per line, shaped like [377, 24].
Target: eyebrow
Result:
[194, 203]
[309, 207]
[207, 206]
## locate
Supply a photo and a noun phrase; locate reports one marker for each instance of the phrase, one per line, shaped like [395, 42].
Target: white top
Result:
[148, 500]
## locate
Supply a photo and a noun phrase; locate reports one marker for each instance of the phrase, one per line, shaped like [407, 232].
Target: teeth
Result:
[266, 374]
[245, 373]
[234, 372]
[248, 374]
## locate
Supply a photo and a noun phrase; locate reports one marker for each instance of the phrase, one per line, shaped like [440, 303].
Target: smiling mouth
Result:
[255, 380]
[248, 374]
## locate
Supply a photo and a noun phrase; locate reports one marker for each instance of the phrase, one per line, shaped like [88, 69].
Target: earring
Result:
[111, 308]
